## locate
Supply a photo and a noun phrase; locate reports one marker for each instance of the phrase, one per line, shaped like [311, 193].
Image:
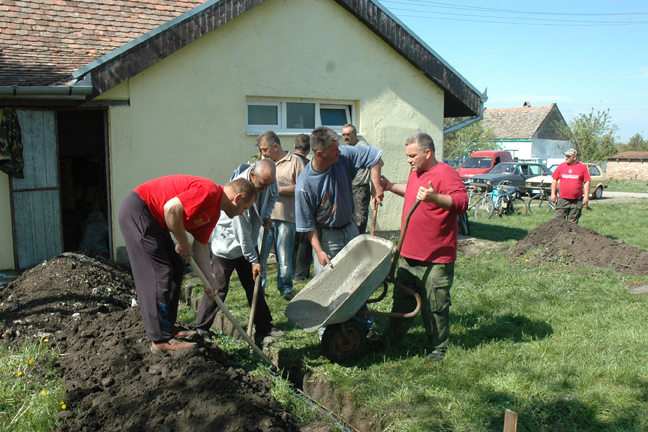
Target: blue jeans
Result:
[333, 241]
[282, 234]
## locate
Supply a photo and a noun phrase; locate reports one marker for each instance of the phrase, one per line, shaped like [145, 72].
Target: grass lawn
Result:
[627, 185]
[31, 392]
[563, 346]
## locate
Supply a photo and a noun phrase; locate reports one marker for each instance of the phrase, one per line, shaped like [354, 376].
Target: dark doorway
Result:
[83, 180]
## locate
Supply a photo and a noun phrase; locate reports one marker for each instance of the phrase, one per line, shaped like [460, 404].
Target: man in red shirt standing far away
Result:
[174, 204]
[430, 247]
[574, 178]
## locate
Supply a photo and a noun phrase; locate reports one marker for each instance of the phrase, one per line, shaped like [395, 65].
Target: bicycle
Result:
[484, 208]
[504, 199]
[537, 201]
[475, 197]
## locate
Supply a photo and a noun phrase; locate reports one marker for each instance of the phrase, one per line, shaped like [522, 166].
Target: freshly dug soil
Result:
[82, 305]
[573, 243]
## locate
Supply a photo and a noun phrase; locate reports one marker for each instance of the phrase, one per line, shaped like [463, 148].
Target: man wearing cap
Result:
[574, 179]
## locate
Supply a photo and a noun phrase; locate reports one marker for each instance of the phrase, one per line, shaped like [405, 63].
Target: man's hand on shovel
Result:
[211, 292]
[256, 271]
[184, 250]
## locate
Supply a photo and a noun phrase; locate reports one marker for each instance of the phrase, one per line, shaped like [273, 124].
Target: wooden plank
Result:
[510, 421]
[37, 213]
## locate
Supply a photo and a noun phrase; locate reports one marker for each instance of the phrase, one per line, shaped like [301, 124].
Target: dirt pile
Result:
[573, 243]
[113, 382]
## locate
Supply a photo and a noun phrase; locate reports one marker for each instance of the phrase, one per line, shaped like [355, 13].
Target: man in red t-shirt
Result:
[174, 204]
[574, 178]
[430, 246]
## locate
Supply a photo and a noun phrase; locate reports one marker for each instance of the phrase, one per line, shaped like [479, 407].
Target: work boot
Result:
[436, 355]
[184, 334]
[273, 332]
[165, 348]
[374, 340]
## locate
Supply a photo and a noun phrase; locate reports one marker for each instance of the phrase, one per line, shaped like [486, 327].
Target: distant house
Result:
[110, 94]
[630, 165]
[529, 133]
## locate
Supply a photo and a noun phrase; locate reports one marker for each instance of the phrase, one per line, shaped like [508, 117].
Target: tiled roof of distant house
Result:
[630, 155]
[515, 123]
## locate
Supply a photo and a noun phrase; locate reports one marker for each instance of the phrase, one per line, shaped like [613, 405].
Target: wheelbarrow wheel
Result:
[341, 344]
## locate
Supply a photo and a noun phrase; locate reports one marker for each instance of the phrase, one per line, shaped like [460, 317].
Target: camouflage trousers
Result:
[570, 209]
[432, 282]
[361, 200]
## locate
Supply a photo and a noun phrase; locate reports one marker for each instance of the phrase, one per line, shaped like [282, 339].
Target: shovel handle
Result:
[257, 282]
[373, 220]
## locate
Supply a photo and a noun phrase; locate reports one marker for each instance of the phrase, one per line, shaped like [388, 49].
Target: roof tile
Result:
[87, 28]
[632, 155]
[515, 123]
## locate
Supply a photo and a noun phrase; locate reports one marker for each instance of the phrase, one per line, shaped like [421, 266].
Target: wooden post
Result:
[510, 421]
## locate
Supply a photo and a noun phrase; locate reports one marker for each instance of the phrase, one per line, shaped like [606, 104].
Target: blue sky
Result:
[578, 54]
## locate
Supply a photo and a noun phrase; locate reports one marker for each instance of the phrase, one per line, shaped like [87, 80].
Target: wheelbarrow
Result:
[335, 296]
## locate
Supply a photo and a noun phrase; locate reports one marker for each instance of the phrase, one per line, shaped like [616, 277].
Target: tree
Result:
[467, 140]
[592, 135]
[636, 143]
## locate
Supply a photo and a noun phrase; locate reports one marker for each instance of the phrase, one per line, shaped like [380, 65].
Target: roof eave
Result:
[461, 99]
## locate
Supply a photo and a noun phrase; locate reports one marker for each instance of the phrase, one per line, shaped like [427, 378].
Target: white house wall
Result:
[550, 150]
[518, 149]
[187, 112]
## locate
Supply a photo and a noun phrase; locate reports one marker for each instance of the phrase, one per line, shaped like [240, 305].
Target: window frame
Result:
[265, 103]
[282, 110]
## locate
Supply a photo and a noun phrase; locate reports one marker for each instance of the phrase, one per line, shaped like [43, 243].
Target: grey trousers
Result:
[157, 267]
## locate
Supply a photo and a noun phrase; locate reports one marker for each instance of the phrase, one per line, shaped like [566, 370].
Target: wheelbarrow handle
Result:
[402, 238]
[409, 291]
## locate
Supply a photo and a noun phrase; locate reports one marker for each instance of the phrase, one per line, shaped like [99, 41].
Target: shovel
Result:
[257, 282]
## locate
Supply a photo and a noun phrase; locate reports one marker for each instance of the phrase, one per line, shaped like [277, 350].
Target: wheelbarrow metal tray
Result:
[337, 294]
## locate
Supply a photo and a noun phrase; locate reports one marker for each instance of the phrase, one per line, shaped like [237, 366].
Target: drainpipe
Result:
[463, 124]
[77, 90]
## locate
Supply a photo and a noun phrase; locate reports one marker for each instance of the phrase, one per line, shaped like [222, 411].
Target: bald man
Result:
[234, 246]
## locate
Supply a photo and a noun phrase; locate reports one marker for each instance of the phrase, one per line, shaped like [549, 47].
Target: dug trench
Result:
[82, 306]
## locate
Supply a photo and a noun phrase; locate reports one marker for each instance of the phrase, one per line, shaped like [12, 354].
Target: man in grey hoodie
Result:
[234, 246]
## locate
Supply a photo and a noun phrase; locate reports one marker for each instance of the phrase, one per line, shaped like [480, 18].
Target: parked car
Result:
[597, 184]
[481, 162]
[451, 162]
[516, 173]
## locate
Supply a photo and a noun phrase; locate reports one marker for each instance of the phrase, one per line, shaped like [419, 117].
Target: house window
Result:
[300, 115]
[263, 114]
[292, 117]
